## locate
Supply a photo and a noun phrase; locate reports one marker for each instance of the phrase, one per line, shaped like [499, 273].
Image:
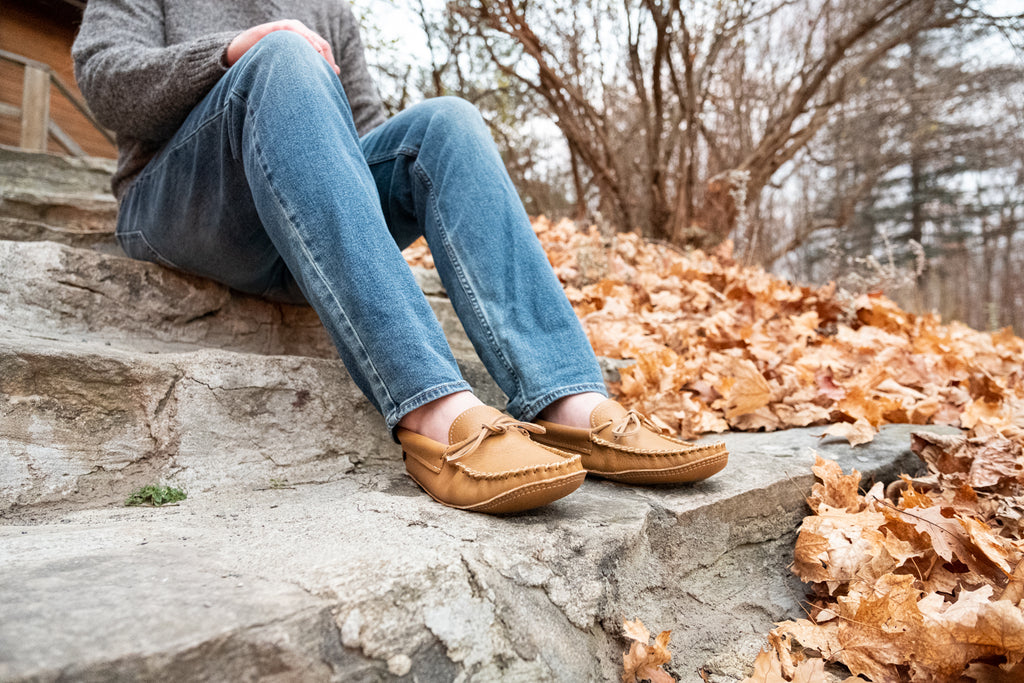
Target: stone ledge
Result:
[142, 306]
[84, 423]
[389, 578]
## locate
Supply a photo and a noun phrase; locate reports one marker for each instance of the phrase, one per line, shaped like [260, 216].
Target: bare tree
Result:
[681, 113]
[924, 158]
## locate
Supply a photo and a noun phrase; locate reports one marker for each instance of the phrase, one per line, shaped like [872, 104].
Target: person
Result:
[254, 150]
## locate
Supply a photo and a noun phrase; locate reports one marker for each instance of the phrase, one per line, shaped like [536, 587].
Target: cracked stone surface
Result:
[87, 294]
[83, 422]
[144, 306]
[365, 578]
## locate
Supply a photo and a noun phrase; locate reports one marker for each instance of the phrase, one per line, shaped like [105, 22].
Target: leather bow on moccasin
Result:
[625, 446]
[490, 464]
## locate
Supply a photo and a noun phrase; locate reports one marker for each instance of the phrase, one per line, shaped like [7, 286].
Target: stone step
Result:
[365, 578]
[89, 295]
[84, 423]
[46, 197]
[58, 291]
[84, 294]
[55, 173]
[51, 197]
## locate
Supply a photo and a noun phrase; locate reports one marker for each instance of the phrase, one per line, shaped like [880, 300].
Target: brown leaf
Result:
[951, 538]
[1014, 591]
[809, 671]
[644, 660]
[980, 463]
[987, 673]
[971, 628]
[767, 669]
[747, 392]
[837, 490]
[856, 433]
[986, 543]
[635, 630]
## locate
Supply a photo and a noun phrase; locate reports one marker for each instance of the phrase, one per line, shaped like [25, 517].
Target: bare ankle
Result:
[433, 419]
[573, 410]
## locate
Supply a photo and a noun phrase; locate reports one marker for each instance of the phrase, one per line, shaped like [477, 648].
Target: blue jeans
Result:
[267, 188]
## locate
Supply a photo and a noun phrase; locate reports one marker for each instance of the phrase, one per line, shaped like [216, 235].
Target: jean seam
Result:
[424, 397]
[150, 168]
[161, 259]
[382, 157]
[536, 405]
[312, 261]
[463, 281]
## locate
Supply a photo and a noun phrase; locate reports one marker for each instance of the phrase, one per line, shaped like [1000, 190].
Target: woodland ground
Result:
[919, 581]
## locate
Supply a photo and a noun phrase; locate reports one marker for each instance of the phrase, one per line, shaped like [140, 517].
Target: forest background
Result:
[877, 143]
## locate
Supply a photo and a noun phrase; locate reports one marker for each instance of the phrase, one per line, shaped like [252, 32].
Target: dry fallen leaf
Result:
[644, 660]
[917, 591]
[720, 345]
[768, 669]
[747, 390]
[856, 433]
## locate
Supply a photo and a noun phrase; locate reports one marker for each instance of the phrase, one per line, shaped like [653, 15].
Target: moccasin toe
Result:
[491, 465]
[625, 446]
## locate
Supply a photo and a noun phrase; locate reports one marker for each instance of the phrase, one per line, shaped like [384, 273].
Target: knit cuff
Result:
[205, 59]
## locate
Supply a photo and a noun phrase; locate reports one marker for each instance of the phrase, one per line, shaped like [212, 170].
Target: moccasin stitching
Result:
[532, 469]
[691, 448]
[557, 451]
[567, 443]
[716, 444]
[669, 471]
[519, 494]
[436, 469]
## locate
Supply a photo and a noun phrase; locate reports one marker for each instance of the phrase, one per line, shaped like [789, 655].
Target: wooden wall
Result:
[44, 31]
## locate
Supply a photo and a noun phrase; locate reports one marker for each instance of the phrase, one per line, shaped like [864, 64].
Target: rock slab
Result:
[366, 578]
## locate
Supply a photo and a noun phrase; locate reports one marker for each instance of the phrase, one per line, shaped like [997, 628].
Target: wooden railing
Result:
[34, 113]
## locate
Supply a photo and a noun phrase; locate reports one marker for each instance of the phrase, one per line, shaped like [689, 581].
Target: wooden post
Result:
[35, 109]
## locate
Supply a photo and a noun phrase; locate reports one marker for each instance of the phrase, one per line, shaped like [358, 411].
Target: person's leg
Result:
[266, 180]
[439, 174]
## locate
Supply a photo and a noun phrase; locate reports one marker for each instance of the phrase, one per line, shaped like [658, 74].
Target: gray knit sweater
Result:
[143, 65]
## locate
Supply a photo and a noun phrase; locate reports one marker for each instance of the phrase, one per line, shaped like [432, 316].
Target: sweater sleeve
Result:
[134, 83]
[367, 109]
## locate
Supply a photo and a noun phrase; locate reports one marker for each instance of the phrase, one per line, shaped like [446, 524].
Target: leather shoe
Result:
[625, 446]
[490, 464]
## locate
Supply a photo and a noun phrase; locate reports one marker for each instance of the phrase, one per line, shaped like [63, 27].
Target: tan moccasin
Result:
[490, 464]
[625, 446]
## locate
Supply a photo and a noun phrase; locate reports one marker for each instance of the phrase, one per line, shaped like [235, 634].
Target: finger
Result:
[330, 60]
[321, 50]
[324, 48]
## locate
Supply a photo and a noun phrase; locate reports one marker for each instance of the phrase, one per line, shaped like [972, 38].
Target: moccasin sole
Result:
[524, 497]
[690, 472]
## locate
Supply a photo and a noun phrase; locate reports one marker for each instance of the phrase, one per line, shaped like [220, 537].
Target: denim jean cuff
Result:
[528, 411]
[424, 397]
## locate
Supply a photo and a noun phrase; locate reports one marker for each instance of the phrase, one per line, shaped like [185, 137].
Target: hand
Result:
[246, 39]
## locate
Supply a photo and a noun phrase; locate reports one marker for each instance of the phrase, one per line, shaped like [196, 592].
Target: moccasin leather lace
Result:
[630, 424]
[501, 425]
